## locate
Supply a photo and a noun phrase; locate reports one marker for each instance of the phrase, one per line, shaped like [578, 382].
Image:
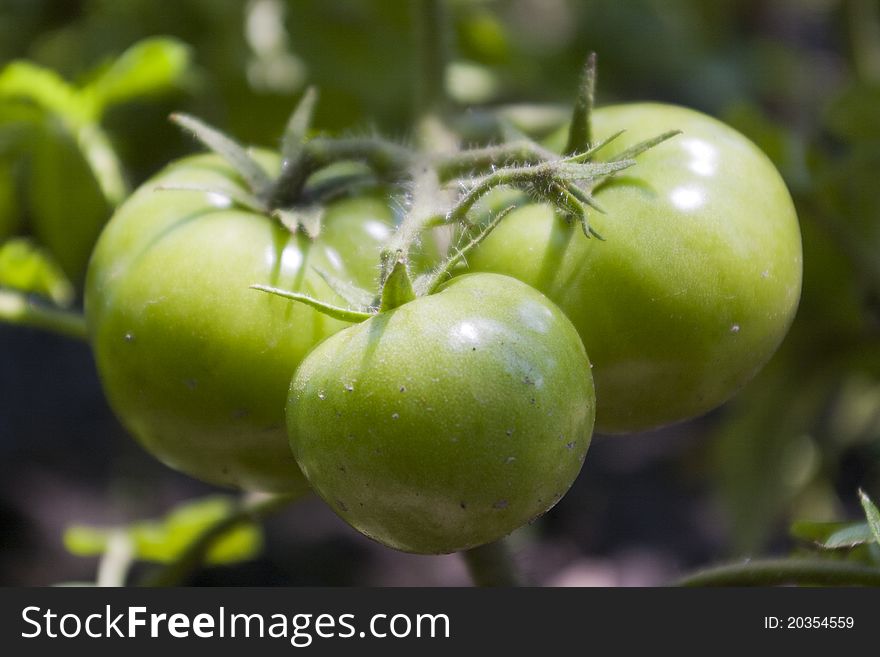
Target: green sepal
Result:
[397, 288]
[297, 128]
[247, 167]
[872, 514]
[336, 312]
[356, 297]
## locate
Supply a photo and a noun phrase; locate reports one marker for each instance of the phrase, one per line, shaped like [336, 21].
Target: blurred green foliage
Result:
[800, 77]
[165, 541]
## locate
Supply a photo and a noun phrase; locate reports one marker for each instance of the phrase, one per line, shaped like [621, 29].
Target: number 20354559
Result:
[809, 622]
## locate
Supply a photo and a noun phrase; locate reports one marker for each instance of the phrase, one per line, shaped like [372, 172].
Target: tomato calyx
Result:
[445, 188]
[286, 198]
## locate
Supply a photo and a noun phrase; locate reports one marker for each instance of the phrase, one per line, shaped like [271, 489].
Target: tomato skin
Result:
[195, 364]
[449, 421]
[697, 281]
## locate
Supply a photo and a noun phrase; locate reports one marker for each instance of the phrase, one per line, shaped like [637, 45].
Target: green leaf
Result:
[28, 268]
[833, 535]
[105, 166]
[23, 80]
[164, 541]
[67, 206]
[872, 514]
[85, 541]
[149, 67]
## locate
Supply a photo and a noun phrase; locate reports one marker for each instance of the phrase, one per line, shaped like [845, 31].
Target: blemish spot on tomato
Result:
[395, 416]
[402, 388]
[734, 328]
[509, 432]
[128, 337]
[348, 387]
[341, 505]
[500, 504]
[192, 384]
[510, 459]
[462, 505]
[322, 396]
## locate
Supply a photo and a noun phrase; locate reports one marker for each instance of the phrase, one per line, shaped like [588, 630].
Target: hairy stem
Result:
[483, 160]
[386, 158]
[252, 508]
[771, 572]
[492, 565]
[17, 308]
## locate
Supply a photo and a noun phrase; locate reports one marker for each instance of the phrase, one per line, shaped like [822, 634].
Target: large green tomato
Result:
[697, 281]
[449, 421]
[196, 364]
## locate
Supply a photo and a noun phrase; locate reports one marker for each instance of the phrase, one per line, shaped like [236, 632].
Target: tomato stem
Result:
[580, 132]
[770, 572]
[431, 34]
[17, 308]
[492, 565]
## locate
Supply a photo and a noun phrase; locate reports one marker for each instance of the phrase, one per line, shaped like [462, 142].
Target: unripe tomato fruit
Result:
[696, 282]
[195, 364]
[449, 421]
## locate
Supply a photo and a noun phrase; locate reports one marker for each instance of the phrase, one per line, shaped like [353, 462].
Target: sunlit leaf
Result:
[833, 535]
[67, 206]
[84, 541]
[150, 66]
[23, 80]
[28, 268]
[164, 541]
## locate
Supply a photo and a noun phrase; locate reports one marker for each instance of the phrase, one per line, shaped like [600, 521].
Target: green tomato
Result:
[449, 421]
[195, 364]
[696, 282]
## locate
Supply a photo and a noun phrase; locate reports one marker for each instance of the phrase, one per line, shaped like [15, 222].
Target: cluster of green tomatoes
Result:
[435, 354]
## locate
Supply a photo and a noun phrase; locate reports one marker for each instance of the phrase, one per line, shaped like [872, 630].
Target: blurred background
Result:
[800, 77]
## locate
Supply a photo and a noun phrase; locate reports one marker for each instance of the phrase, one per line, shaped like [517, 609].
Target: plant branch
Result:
[117, 559]
[430, 32]
[252, 508]
[17, 308]
[492, 565]
[772, 572]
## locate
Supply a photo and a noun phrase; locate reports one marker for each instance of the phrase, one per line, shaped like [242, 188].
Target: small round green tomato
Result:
[449, 421]
[696, 282]
[195, 364]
